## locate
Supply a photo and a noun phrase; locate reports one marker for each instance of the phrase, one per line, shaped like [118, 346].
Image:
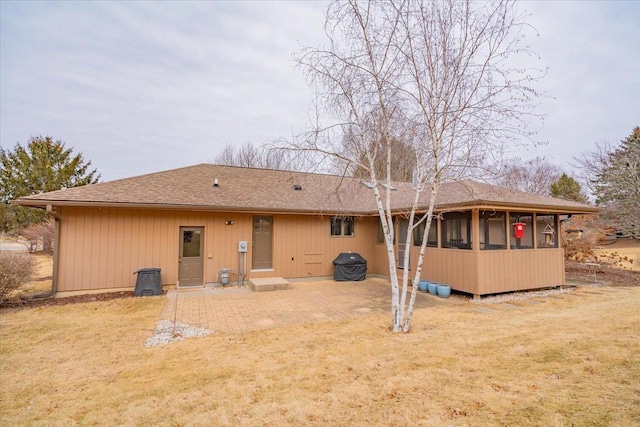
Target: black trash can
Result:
[349, 266]
[148, 282]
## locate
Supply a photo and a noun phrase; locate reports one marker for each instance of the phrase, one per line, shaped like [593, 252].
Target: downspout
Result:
[56, 245]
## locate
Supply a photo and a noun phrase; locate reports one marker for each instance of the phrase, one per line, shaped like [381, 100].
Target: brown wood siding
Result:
[455, 267]
[101, 248]
[380, 260]
[513, 270]
[303, 247]
[485, 272]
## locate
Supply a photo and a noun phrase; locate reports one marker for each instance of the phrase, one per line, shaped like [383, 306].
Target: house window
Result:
[342, 226]
[381, 240]
[456, 230]
[493, 233]
[191, 243]
[432, 239]
[403, 227]
[547, 231]
[526, 242]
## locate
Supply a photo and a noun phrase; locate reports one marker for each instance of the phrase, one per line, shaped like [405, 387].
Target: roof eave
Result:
[538, 208]
[477, 204]
[43, 204]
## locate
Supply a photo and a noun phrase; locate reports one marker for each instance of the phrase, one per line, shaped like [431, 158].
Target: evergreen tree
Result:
[568, 188]
[617, 186]
[40, 166]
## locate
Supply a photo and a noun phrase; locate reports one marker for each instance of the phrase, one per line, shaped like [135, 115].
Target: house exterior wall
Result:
[485, 272]
[454, 267]
[100, 248]
[515, 270]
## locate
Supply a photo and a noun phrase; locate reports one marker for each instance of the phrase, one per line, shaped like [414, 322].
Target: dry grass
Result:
[570, 360]
[42, 279]
[625, 254]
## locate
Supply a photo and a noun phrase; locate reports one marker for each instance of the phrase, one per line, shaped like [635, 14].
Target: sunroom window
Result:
[456, 230]
[432, 239]
[526, 241]
[547, 231]
[493, 233]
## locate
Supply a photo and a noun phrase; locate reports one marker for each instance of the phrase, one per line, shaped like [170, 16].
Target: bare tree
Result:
[435, 74]
[227, 156]
[39, 236]
[590, 164]
[263, 157]
[534, 176]
[402, 165]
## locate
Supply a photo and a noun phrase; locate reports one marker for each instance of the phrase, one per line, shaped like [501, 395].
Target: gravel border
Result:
[514, 296]
[166, 333]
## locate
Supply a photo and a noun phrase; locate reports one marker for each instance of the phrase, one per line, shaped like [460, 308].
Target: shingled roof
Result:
[264, 190]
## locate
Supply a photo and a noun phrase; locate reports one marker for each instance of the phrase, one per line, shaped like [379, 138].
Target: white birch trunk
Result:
[425, 237]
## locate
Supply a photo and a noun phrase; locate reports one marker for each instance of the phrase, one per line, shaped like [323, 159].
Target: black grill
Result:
[349, 266]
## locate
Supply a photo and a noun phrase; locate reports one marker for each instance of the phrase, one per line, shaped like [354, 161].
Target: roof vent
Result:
[215, 183]
[370, 185]
[297, 187]
[387, 185]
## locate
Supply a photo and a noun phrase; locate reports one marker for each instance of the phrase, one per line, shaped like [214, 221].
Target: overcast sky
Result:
[139, 87]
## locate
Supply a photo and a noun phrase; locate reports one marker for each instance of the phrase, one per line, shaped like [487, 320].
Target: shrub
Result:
[579, 249]
[16, 269]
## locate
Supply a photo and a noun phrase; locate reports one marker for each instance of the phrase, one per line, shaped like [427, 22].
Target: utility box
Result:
[149, 282]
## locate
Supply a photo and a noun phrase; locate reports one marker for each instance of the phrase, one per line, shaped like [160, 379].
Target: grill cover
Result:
[349, 266]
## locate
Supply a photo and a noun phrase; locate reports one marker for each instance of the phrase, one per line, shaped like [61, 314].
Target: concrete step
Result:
[269, 284]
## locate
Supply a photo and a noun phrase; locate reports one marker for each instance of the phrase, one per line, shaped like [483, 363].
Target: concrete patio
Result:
[238, 309]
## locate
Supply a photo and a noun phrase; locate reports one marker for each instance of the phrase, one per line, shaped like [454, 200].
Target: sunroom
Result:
[489, 248]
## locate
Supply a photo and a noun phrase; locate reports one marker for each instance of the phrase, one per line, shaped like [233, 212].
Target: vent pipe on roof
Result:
[297, 187]
[215, 183]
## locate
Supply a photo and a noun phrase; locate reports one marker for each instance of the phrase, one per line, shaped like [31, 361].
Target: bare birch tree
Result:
[438, 75]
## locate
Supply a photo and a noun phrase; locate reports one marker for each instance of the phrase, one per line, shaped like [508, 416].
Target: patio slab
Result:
[237, 310]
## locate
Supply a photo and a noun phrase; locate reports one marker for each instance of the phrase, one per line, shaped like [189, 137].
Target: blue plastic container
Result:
[433, 288]
[444, 291]
[423, 285]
